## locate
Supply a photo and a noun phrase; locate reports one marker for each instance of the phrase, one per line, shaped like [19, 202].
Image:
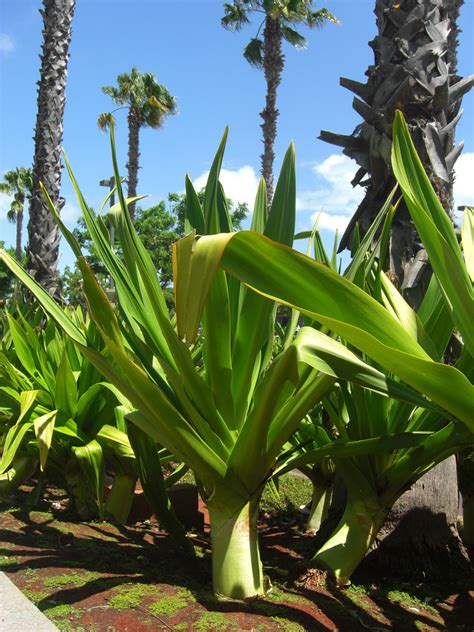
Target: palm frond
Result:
[235, 16]
[317, 19]
[253, 52]
[104, 121]
[293, 37]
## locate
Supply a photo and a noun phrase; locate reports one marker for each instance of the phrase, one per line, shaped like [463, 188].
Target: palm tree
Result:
[148, 104]
[414, 70]
[43, 233]
[19, 184]
[279, 16]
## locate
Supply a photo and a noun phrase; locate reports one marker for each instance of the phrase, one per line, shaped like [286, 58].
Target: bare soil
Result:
[97, 577]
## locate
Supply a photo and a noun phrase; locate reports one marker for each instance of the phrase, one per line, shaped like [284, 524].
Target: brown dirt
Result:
[96, 577]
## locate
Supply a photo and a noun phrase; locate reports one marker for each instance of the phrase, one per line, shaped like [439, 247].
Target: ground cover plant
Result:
[59, 415]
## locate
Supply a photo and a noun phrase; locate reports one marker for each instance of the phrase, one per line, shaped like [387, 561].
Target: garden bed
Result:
[96, 577]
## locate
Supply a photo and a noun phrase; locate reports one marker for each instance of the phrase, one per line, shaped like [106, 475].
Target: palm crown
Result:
[18, 183]
[287, 12]
[151, 101]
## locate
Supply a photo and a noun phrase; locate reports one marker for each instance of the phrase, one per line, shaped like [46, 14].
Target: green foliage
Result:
[158, 228]
[218, 402]
[151, 101]
[287, 14]
[19, 184]
[7, 278]
[54, 403]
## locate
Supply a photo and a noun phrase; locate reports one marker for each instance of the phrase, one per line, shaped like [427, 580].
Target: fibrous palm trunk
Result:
[415, 71]
[273, 61]
[133, 155]
[19, 230]
[43, 234]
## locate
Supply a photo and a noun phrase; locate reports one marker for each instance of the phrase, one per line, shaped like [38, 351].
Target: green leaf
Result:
[467, 238]
[435, 229]
[152, 481]
[44, 428]
[90, 459]
[66, 388]
[289, 277]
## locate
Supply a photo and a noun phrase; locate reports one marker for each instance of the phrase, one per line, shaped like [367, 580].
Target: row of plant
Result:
[354, 383]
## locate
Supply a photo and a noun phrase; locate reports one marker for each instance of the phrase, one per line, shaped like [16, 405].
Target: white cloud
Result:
[334, 194]
[240, 185]
[5, 201]
[463, 183]
[331, 222]
[7, 44]
[70, 213]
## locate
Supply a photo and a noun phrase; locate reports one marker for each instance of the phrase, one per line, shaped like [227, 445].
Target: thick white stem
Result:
[320, 502]
[351, 540]
[236, 566]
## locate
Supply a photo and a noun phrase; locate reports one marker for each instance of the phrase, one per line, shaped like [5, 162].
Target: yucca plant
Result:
[54, 403]
[385, 329]
[223, 408]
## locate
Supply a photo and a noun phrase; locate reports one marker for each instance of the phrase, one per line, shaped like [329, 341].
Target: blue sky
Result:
[183, 44]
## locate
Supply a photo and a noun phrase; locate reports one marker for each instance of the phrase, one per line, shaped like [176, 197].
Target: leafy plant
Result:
[218, 404]
[385, 329]
[54, 403]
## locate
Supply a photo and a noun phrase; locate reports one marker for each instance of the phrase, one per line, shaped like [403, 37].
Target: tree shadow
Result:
[125, 555]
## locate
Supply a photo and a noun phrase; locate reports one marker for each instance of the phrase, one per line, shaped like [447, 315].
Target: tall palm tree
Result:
[415, 70]
[148, 103]
[279, 16]
[43, 233]
[19, 184]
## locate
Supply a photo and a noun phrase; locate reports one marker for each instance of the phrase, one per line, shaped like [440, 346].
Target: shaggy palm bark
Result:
[273, 61]
[19, 230]
[415, 71]
[133, 155]
[43, 233]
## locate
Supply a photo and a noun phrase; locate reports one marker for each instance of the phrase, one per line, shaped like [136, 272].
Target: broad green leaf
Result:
[90, 460]
[289, 277]
[66, 388]
[194, 219]
[259, 216]
[152, 481]
[13, 441]
[44, 428]
[467, 238]
[435, 229]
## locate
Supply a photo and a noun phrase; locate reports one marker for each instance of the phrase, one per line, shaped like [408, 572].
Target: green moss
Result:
[70, 578]
[278, 595]
[168, 605]
[293, 491]
[63, 610]
[410, 601]
[212, 621]
[6, 560]
[130, 596]
[34, 595]
[288, 626]
[357, 594]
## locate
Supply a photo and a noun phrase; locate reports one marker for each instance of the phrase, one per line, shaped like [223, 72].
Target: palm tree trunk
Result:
[43, 234]
[19, 230]
[414, 70]
[273, 61]
[133, 156]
